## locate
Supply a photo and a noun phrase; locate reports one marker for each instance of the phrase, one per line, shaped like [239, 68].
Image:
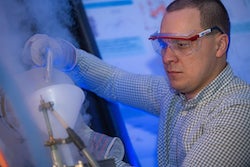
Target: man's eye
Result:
[183, 44]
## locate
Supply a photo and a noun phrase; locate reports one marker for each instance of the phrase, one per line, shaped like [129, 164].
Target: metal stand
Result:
[52, 143]
[57, 162]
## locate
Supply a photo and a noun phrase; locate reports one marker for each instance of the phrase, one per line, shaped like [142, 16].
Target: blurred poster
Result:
[122, 28]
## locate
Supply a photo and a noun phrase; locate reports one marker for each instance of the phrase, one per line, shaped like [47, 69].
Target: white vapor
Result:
[19, 20]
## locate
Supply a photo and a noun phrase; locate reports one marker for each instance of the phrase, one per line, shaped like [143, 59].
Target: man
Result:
[203, 108]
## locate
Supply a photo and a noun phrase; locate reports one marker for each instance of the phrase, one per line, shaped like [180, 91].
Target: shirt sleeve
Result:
[140, 91]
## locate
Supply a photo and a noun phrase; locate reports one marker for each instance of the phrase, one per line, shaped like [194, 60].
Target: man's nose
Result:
[168, 56]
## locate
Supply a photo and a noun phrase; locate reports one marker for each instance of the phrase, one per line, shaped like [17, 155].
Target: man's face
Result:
[190, 73]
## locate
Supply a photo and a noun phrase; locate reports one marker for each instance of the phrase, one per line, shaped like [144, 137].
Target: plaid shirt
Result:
[212, 129]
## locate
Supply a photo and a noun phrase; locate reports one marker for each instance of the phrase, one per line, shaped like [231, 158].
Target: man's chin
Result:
[178, 87]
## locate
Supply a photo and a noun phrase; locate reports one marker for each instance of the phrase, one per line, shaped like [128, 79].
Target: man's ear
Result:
[222, 44]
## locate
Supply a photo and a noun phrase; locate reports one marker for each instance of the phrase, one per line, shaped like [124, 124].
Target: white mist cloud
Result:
[19, 20]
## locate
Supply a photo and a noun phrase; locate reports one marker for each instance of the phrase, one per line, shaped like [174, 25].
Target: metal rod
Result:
[53, 148]
[75, 138]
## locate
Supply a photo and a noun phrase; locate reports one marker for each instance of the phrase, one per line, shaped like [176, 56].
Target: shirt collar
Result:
[218, 83]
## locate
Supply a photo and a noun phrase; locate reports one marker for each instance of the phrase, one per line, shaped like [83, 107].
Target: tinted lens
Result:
[159, 45]
[162, 43]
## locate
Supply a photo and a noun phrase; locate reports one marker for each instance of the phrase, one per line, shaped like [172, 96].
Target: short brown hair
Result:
[212, 12]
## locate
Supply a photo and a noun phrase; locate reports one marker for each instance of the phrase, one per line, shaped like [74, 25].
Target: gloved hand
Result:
[100, 145]
[36, 49]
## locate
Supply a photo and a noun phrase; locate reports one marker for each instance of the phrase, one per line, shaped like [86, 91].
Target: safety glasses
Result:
[181, 45]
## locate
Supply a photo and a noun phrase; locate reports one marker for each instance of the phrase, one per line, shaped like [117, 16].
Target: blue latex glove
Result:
[36, 48]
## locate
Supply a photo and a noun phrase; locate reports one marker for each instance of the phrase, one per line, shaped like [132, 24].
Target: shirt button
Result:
[184, 113]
